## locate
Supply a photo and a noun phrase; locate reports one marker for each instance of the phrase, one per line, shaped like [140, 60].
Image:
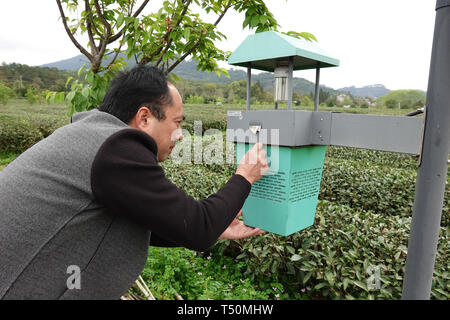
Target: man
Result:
[88, 200]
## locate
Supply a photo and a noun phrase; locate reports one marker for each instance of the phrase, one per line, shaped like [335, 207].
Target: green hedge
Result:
[373, 157]
[363, 221]
[337, 256]
[19, 133]
[16, 135]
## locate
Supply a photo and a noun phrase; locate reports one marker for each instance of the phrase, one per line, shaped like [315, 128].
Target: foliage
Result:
[361, 225]
[335, 257]
[20, 76]
[391, 103]
[163, 38]
[6, 93]
[306, 101]
[32, 96]
[407, 99]
[172, 272]
[22, 125]
[16, 135]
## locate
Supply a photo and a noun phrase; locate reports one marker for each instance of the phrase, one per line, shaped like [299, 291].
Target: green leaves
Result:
[301, 35]
[295, 257]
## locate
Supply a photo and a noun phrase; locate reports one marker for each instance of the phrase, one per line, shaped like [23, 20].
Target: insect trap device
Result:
[284, 200]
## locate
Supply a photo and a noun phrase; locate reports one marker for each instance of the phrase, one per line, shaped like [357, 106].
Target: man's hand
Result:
[254, 164]
[238, 230]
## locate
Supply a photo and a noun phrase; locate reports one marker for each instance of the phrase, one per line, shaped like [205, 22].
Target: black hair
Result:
[135, 88]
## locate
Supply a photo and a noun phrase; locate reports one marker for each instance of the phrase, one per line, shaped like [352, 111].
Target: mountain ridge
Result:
[188, 70]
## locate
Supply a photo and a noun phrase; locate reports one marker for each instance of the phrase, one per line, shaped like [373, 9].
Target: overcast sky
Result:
[377, 42]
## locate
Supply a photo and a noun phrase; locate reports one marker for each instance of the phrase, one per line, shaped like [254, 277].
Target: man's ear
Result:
[142, 118]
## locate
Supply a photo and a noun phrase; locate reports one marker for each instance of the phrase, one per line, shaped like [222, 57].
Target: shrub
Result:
[337, 256]
[373, 157]
[17, 135]
[6, 93]
[382, 190]
[391, 103]
[365, 229]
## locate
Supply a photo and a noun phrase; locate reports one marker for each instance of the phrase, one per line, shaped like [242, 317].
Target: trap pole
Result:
[432, 173]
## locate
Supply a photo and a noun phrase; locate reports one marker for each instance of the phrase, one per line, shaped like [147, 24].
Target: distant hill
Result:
[71, 64]
[188, 70]
[21, 76]
[375, 91]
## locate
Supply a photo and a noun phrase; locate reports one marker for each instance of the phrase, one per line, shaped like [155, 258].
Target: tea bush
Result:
[17, 135]
[362, 227]
[337, 257]
[373, 157]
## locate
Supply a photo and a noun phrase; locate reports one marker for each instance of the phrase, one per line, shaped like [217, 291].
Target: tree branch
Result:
[179, 60]
[89, 23]
[69, 33]
[167, 36]
[102, 18]
[116, 54]
[223, 13]
[119, 34]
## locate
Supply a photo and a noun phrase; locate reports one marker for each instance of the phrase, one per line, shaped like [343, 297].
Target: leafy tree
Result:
[6, 93]
[163, 38]
[331, 102]
[364, 105]
[20, 76]
[391, 103]
[323, 95]
[406, 98]
[306, 101]
[31, 95]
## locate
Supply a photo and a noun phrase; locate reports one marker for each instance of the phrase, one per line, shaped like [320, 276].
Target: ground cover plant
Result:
[356, 248]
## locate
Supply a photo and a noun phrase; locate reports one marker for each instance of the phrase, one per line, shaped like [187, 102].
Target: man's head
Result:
[142, 98]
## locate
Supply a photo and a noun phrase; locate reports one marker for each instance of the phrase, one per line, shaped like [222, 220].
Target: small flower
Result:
[231, 286]
[274, 288]
[224, 267]
[208, 258]
[277, 296]
[199, 273]
[242, 281]
[245, 290]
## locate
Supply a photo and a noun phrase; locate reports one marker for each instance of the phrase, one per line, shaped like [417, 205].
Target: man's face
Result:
[165, 132]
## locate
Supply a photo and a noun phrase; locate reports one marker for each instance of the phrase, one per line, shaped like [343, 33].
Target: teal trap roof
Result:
[265, 48]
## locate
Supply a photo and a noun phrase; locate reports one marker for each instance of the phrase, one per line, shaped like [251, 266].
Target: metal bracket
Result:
[321, 128]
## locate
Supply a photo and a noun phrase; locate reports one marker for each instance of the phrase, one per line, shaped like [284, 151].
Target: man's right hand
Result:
[254, 164]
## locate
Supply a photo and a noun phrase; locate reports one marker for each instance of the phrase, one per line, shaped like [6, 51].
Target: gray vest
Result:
[51, 225]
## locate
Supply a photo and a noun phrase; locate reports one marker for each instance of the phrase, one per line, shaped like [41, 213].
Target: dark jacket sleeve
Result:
[158, 241]
[127, 179]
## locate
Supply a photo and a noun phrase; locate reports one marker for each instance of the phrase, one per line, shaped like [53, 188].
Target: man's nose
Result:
[177, 135]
